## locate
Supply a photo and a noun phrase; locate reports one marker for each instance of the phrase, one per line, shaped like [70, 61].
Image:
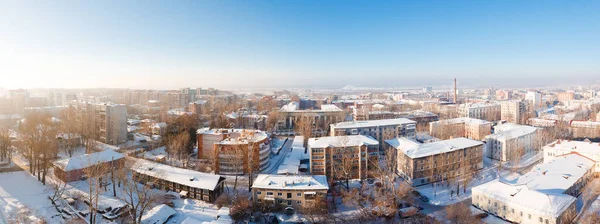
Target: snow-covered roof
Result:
[291, 162]
[542, 189]
[244, 135]
[414, 149]
[185, 177]
[466, 120]
[511, 131]
[291, 182]
[480, 105]
[589, 149]
[373, 123]
[294, 106]
[158, 215]
[585, 124]
[341, 141]
[83, 161]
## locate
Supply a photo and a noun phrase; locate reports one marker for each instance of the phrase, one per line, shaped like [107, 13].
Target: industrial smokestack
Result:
[455, 92]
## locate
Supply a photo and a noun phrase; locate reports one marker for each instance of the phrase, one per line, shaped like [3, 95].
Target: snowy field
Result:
[19, 192]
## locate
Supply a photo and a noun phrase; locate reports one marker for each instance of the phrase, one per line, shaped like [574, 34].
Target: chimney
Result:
[455, 92]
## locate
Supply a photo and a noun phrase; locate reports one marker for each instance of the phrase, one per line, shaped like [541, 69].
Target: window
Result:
[541, 220]
[529, 215]
[299, 202]
[299, 194]
[289, 202]
[259, 200]
[513, 210]
[258, 192]
[270, 193]
[521, 214]
[289, 195]
[279, 193]
[546, 221]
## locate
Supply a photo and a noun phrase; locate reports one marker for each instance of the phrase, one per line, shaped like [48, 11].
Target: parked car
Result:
[481, 215]
[416, 193]
[424, 198]
[408, 212]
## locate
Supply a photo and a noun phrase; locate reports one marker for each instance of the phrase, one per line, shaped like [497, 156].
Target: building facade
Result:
[460, 127]
[379, 130]
[423, 163]
[74, 168]
[296, 191]
[483, 111]
[234, 151]
[563, 147]
[343, 157]
[108, 121]
[510, 141]
[514, 111]
[321, 118]
[546, 194]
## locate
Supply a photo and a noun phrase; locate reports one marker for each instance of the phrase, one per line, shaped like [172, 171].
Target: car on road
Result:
[424, 198]
[416, 193]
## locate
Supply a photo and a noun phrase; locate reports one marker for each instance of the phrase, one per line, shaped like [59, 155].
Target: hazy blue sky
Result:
[228, 44]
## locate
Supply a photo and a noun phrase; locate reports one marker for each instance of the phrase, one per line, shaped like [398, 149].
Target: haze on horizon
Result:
[270, 44]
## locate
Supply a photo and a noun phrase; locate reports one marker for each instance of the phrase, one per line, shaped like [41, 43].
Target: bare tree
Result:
[94, 173]
[137, 193]
[460, 213]
[6, 150]
[273, 118]
[304, 127]
[39, 135]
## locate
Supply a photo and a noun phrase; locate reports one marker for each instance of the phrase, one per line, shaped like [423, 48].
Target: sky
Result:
[285, 44]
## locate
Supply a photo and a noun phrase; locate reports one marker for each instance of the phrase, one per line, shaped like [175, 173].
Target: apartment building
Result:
[510, 141]
[234, 151]
[188, 183]
[535, 99]
[460, 127]
[423, 163]
[282, 191]
[484, 111]
[109, 121]
[545, 195]
[379, 130]
[563, 147]
[343, 157]
[514, 111]
[565, 96]
[585, 129]
[322, 118]
[74, 168]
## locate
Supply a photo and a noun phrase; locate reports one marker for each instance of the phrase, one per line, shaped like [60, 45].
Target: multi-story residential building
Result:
[514, 111]
[562, 147]
[188, 183]
[234, 151]
[380, 130]
[502, 94]
[420, 116]
[483, 111]
[510, 141]
[109, 121]
[585, 129]
[197, 107]
[460, 127]
[545, 195]
[535, 99]
[282, 191]
[343, 157]
[423, 163]
[322, 118]
[565, 96]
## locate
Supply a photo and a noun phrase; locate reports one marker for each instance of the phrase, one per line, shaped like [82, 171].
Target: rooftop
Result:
[543, 188]
[414, 149]
[589, 149]
[373, 123]
[294, 107]
[83, 161]
[185, 177]
[341, 141]
[292, 182]
[466, 120]
[511, 132]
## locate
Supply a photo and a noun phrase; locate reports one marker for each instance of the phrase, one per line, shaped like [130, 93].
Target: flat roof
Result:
[414, 149]
[373, 123]
[340, 141]
[466, 120]
[291, 182]
[87, 160]
[589, 149]
[513, 133]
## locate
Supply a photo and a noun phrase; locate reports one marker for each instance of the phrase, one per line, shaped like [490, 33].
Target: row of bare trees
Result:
[6, 150]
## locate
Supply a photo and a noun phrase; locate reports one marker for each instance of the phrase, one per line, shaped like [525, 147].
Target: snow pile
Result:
[158, 215]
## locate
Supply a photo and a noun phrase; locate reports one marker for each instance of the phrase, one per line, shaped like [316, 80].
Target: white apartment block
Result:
[460, 127]
[535, 98]
[514, 111]
[545, 195]
[341, 157]
[380, 130]
[511, 138]
[485, 111]
[563, 147]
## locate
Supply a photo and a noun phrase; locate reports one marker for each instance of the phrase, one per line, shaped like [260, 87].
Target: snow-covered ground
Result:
[276, 144]
[76, 152]
[195, 209]
[19, 192]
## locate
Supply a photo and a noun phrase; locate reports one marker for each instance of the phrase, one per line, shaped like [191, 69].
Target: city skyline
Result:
[271, 44]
